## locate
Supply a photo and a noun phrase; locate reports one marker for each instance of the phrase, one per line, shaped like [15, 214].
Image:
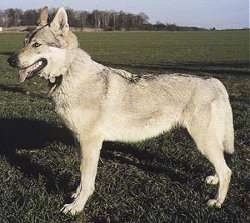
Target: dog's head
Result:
[45, 48]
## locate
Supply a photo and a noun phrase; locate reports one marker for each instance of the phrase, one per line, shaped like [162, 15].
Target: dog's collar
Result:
[55, 85]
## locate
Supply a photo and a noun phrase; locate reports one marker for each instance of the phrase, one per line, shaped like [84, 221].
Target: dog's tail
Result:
[228, 140]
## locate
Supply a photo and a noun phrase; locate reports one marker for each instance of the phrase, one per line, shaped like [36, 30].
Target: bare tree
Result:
[83, 18]
[108, 20]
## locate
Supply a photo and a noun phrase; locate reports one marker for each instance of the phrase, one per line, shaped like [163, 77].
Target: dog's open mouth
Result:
[32, 70]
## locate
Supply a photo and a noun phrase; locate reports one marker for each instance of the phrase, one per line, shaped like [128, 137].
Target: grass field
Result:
[159, 180]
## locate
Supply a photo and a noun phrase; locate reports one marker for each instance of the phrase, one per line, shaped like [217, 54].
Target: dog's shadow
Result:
[143, 159]
[28, 134]
[15, 88]
[16, 134]
[6, 53]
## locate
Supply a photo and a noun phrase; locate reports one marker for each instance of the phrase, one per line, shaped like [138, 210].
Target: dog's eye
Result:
[36, 44]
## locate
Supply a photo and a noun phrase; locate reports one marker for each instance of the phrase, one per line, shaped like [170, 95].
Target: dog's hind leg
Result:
[207, 132]
[224, 175]
[214, 153]
[90, 153]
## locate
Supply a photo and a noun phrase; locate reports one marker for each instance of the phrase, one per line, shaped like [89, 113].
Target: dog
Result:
[100, 103]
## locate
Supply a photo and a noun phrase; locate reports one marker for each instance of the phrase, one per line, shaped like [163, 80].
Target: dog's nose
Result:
[12, 60]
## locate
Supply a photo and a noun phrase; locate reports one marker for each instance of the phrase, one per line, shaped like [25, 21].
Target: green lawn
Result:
[157, 47]
[163, 47]
[159, 180]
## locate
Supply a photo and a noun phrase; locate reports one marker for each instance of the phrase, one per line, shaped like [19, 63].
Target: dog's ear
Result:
[43, 18]
[60, 21]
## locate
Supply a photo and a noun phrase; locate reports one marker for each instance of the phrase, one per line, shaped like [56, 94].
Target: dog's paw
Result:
[73, 208]
[212, 180]
[78, 190]
[214, 203]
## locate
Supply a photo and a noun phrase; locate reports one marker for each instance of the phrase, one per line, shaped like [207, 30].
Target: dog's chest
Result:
[77, 112]
[64, 107]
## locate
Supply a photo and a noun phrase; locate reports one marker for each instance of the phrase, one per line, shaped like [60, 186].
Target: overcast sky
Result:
[204, 13]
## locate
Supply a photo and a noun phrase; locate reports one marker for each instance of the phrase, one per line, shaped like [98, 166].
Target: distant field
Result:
[159, 180]
[162, 47]
[157, 47]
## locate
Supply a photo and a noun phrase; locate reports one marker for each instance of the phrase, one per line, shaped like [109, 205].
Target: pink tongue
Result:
[23, 75]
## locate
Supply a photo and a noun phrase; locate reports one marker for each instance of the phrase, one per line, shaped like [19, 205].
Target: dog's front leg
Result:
[90, 153]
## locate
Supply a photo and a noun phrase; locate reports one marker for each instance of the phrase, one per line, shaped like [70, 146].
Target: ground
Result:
[158, 180]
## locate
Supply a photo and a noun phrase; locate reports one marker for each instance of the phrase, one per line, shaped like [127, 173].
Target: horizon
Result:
[235, 14]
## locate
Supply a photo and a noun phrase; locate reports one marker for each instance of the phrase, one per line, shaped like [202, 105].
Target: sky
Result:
[221, 14]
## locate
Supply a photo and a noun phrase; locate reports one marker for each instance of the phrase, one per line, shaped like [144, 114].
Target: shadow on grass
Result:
[28, 134]
[216, 67]
[17, 89]
[6, 53]
[153, 162]
[25, 133]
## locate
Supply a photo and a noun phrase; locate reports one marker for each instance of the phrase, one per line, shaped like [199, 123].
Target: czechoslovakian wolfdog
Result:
[100, 103]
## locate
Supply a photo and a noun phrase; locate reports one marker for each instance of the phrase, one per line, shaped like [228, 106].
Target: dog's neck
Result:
[85, 66]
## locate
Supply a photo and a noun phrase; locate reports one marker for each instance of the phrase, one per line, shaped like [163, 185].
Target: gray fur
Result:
[100, 103]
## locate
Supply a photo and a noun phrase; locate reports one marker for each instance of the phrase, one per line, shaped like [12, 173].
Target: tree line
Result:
[107, 20]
